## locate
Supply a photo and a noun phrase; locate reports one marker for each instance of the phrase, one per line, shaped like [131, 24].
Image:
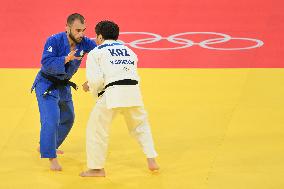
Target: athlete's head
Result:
[106, 30]
[75, 27]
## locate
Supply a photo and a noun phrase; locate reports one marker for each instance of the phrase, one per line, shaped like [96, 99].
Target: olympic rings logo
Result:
[181, 42]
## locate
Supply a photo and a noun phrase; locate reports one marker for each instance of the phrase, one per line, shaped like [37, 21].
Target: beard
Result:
[74, 39]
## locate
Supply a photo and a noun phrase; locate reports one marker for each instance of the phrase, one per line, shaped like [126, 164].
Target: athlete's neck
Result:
[72, 43]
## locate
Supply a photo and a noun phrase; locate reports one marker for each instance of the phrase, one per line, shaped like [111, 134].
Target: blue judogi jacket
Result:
[52, 63]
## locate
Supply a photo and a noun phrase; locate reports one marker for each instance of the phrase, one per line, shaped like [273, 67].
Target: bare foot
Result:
[54, 165]
[57, 151]
[93, 173]
[152, 165]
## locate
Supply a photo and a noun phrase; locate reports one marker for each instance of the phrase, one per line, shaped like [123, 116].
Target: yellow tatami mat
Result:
[213, 129]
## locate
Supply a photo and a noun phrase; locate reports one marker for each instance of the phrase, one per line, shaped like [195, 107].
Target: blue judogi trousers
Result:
[56, 117]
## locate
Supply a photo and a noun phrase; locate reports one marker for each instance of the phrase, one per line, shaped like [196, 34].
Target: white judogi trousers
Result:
[99, 126]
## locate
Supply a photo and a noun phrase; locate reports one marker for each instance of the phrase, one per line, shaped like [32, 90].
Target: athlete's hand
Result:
[86, 87]
[71, 56]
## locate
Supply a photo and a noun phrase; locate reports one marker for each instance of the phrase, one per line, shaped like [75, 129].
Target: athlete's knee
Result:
[71, 118]
[68, 119]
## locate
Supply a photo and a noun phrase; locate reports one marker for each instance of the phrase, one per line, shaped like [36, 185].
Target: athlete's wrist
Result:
[67, 59]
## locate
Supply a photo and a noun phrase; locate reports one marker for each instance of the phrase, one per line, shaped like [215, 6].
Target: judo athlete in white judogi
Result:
[111, 70]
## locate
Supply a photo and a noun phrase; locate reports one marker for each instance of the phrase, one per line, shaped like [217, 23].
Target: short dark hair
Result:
[108, 30]
[75, 16]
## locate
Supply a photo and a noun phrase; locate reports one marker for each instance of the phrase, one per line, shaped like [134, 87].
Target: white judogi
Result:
[107, 63]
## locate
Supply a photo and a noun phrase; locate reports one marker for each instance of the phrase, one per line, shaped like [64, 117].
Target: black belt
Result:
[119, 82]
[57, 83]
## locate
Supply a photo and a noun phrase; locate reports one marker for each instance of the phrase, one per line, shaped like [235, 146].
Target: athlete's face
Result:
[76, 31]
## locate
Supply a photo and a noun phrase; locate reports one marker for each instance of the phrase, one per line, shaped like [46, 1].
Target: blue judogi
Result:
[56, 106]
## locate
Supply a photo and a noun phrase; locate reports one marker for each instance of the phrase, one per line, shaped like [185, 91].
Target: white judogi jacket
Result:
[109, 62]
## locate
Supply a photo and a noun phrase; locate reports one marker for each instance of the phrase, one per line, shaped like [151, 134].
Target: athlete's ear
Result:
[99, 39]
[67, 28]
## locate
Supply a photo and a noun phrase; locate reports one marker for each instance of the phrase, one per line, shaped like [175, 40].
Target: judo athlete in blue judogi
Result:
[61, 59]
